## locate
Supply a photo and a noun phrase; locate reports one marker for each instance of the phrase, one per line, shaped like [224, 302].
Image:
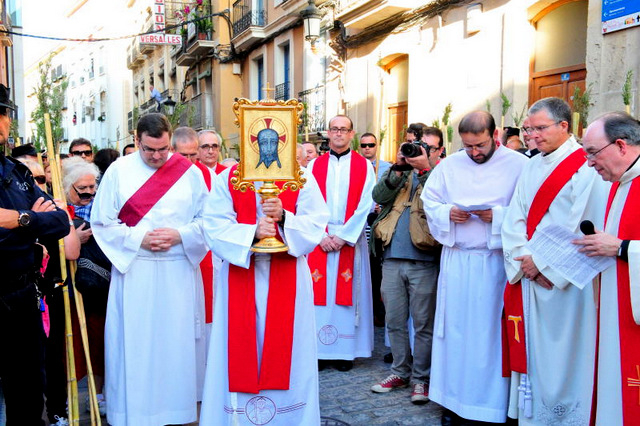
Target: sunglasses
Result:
[86, 153]
[367, 145]
[83, 195]
[40, 179]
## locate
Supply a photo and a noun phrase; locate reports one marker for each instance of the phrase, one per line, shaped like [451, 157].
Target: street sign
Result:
[160, 38]
[620, 15]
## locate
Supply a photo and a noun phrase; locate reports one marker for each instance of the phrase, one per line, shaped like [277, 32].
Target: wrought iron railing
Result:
[282, 91]
[244, 16]
[314, 116]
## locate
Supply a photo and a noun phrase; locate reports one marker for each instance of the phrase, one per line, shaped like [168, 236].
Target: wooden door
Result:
[397, 118]
[560, 83]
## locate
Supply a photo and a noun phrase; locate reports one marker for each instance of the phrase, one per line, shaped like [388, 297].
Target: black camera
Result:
[412, 149]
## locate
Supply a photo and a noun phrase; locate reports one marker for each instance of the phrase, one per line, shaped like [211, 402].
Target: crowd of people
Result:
[436, 248]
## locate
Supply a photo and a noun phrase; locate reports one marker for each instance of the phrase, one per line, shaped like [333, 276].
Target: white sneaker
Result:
[60, 421]
[102, 404]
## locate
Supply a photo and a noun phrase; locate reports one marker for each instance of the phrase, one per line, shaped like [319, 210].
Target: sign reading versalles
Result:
[619, 15]
[158, 25]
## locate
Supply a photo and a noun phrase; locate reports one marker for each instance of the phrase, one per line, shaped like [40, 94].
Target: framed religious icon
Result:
[268, 137]
[268, 142]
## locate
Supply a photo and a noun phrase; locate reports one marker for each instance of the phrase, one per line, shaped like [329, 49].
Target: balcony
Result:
[282, 91]
[195, 49]
[360, 14]
[134, 57]
[314, 115]
[248, 24]
[195, 114]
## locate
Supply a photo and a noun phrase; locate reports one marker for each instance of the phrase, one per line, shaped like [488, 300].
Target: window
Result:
[260, 77]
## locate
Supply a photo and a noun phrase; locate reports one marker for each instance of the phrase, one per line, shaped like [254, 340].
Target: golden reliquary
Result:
[268, 138]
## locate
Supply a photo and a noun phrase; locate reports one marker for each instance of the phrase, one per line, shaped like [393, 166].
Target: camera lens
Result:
[410, 150]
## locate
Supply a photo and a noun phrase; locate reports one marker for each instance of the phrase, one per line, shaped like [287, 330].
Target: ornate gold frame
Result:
[285, 117]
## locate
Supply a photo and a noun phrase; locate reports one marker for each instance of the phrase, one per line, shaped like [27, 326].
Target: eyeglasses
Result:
[40, 179]
[341, 130]
[209, 147]
[537, 129]
[367, 145]
[431, 149]
[477, 147]
[593, 155]
[153, 151]
[86, 153]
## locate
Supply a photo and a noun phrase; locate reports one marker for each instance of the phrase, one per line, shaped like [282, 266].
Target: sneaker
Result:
[390, 383]
[102, 404]
[420, 394]
[60, 421]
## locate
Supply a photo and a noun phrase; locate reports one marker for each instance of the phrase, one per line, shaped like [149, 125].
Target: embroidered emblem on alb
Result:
[328, 335]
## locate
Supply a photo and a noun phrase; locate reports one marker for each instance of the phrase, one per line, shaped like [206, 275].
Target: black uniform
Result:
[21, 331]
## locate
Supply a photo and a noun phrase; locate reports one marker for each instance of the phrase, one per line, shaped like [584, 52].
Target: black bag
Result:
[93, 274]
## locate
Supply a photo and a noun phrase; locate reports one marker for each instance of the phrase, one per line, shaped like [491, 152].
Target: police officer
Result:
[26, 214]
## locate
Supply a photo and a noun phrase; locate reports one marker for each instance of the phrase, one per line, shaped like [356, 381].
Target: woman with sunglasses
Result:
[79, 179]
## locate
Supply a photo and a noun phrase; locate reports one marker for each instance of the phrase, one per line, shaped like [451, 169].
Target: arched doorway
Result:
[558, 63]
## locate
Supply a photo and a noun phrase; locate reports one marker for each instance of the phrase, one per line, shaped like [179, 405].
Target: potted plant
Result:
[204, 26]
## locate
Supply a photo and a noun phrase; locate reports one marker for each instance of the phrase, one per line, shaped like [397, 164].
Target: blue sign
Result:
[564, 76]
[620, 14]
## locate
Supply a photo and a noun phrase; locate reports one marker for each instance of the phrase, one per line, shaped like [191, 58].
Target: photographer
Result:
[411, 260]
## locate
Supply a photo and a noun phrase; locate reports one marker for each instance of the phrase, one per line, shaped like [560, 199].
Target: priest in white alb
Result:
[465, 199]
[550, 321]
[262, 360]
[612, 146]
[340, 264]
[147, 219]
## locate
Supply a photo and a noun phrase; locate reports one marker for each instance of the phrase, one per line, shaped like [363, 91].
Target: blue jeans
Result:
[3, 415]
[410, 286]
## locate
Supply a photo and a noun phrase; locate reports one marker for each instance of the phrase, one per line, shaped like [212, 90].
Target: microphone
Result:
[587, 228]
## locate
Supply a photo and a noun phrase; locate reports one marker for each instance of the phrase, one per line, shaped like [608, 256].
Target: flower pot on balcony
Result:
[203, 36]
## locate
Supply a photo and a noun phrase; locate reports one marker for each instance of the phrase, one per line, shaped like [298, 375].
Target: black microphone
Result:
[587, 228]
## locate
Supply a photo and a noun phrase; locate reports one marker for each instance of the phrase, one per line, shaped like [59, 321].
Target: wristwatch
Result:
[24, 218]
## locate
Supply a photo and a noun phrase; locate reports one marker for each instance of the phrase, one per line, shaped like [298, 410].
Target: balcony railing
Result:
[313, 118]
[195, 114]
[282, 91]
[244, 17]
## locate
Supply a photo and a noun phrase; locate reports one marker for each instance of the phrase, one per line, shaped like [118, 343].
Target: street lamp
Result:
[311, 16]
[170, 106]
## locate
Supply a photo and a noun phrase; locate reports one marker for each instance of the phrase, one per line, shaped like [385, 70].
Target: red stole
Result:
[206, 174]
[629, 229]
[275, 368]
[318, 258]
[206, 266]
[143, 200]
[514, 353]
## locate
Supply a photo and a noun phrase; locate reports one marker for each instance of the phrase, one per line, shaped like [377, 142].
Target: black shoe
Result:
[447, 418]
[342, 365]
[322, 364]
[388, 358]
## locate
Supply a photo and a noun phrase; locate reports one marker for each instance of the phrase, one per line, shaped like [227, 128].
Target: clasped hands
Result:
[332, 243]
[272, 208]
[531, 272]
[460, 216]
[161, 239]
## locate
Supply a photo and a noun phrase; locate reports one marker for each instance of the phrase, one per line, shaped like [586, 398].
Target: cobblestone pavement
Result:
[347, 396]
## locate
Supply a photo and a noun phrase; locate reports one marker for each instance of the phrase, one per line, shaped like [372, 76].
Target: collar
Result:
[332, 152]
